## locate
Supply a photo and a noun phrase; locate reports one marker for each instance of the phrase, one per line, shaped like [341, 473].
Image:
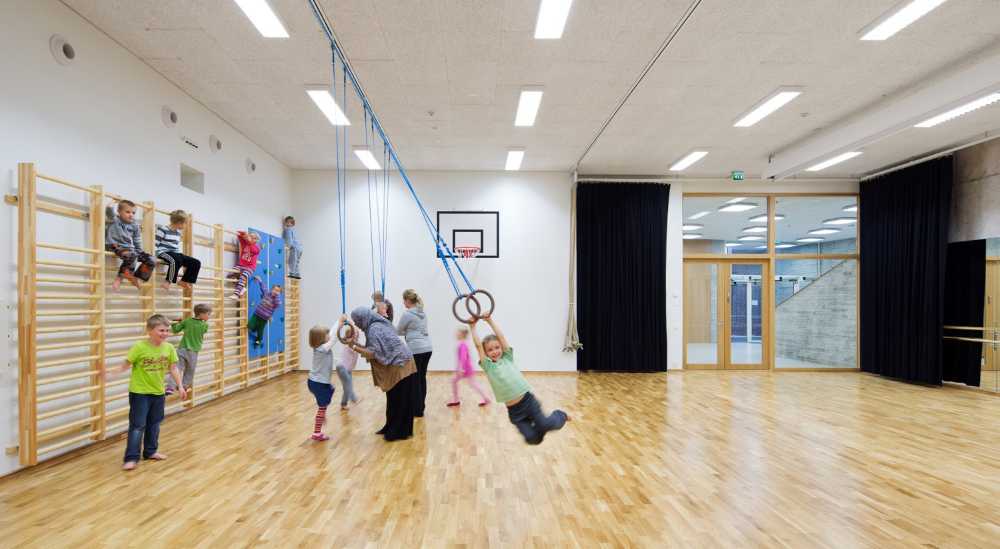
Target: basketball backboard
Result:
[471, 228]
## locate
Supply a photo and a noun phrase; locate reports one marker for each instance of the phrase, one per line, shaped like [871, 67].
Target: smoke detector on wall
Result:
[168, 116]
[62, 51]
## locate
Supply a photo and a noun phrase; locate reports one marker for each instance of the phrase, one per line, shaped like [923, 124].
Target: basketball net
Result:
[467, 252]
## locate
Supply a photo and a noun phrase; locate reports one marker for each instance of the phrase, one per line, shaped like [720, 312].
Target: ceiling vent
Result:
[168, 116]
[62, 51]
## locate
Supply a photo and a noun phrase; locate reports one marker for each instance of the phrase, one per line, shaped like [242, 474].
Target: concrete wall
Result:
[975, 195]
[819, 323]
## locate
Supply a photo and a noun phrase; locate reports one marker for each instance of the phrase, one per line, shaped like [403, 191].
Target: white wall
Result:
[97, 121]
[529, 281]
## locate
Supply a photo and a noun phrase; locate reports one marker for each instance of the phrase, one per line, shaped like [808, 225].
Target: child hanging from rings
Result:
[496, 358]
[247, 262]
[124, 238]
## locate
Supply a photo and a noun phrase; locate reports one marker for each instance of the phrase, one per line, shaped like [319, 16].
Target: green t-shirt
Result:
[505, 379]
[149, 366]
[194, 332]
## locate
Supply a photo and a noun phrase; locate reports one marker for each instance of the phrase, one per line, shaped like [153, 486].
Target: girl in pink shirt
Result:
[464, 370]
[247, 261]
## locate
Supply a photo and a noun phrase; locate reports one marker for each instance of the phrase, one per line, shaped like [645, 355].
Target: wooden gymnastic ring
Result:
[478, 313]
[454, 310]
[347, 338]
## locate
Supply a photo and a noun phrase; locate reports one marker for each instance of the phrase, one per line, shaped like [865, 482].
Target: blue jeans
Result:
[347, 382]
[145, 412]
[529, 419]
[294, 257]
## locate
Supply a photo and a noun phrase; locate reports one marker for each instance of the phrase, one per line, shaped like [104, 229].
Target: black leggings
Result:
[400, 402]
[422, 360]
[175, 261]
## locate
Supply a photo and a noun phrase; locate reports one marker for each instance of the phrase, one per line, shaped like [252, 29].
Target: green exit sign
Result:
[737, 175]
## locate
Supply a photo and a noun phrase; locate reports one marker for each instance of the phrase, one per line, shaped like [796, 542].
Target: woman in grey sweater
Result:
[413, 327]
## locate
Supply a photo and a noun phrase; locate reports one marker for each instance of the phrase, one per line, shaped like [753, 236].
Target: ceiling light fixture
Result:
[329, 107]
[777, 99]
[762, 218]
[514, 159]
[692, 227]
[700, 215]
[737, 207]
[841, 221]
[733, 244]
[810, 239]
[259, 13]
[832, 161]
[551, 21]
[691, 236]
[897, 19]
[366, 157]
[960, 110]
[689, 159]
[527, 106]
[750, 238]
[755, 230]
[737, 199]
[784, 245]
[824, 231]
[850, 208]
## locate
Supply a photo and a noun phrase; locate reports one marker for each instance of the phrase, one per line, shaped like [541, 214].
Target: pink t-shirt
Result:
[348, 358]
[464, 360]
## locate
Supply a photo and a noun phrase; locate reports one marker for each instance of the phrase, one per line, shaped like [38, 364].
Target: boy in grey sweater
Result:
[124, 238]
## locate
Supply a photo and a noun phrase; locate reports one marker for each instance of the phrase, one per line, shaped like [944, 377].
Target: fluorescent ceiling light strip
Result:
[737, 199]
[527, 107]
[328, 107]
[750, 238]
[552, 15]
[367, 158]
[737, 207]
[688, 160]
[840, 221]
[733, 244]
[851, 208]
[700, 215]
[900, 19]
[762, 218]
[692, 227]
[514, 159]
[784, 245]
[259, 13]
[691, 236]
[810, 239]
[832, 161]
[959, 111]
[824, 231]
[754, 230]
[772, 103]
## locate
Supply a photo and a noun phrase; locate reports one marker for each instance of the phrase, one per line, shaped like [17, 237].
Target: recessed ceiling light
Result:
[850, 208]
[328, 106]
[754, 229]
[259, 13]
[689, 159]
[737, 199]
[367, 158]
[527, 106]
[824, 231]
[692, 227]
[784, 245]
[835, 160]
[750, 238]
[960, 110]
[762, 218]
[733, 244]
[779, 98]
[514, 158]
[898, 19]
[691, 236]
[810, 239]
[700, 215]
[840, 221]
[551, 21]
[738, 207]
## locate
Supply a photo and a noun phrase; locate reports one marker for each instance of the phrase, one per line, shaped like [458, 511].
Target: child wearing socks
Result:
[319, 381]
[464, 370]
[168, 250]
[269, 302]
[124, 238]
[247, 262]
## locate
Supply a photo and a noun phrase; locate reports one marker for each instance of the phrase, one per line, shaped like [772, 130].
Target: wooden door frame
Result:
[724, 312]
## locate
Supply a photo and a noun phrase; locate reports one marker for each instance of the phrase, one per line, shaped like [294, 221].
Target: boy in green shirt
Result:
[149, 360]
[194, 329]
[496, 358]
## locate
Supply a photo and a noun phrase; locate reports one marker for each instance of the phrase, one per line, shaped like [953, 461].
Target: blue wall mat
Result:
[272, 251]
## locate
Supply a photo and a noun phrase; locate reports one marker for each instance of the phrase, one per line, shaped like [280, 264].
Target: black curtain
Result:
[622, 276]
[904, 236]
[965, 290]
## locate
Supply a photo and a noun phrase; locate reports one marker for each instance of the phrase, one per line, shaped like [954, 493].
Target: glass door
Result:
[725, 315]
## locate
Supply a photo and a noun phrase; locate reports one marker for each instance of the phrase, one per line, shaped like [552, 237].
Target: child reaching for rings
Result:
[496, 358]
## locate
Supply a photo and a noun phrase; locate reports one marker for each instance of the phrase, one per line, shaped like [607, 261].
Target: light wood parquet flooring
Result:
[693, 459]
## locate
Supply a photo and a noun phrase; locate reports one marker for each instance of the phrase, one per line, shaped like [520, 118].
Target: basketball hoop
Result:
[467, 252]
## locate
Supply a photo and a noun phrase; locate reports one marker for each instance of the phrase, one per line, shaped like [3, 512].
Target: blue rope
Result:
[341, 206]
[441, 247]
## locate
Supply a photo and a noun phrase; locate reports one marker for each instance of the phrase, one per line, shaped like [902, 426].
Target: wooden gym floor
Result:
[694, 459]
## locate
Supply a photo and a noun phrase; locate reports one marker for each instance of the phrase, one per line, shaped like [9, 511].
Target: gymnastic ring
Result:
[347, 338]
[454, 310]
[478, 313]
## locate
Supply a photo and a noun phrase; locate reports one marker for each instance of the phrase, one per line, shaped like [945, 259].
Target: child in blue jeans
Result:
[496, 358]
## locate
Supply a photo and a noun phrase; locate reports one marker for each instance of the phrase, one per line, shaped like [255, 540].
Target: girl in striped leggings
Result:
[247, 262]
